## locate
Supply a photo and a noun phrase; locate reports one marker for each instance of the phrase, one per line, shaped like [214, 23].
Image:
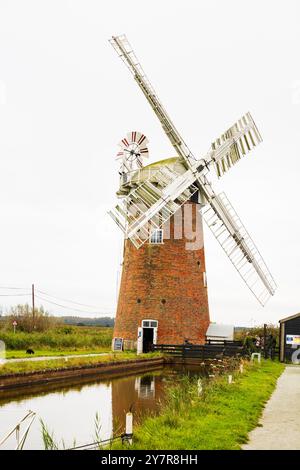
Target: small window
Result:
[149, 324]
[204, 279]
[156, 237]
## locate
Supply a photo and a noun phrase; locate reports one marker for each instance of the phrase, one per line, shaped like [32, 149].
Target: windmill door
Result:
[149, 334]
[147, 339]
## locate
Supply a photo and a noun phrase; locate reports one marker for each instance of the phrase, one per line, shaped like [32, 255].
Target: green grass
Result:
[220, 419]
[61, 338]
[16, 354]
[46, 365]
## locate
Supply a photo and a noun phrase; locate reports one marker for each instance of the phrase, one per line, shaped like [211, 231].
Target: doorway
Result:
[147, 336]
[147, 339]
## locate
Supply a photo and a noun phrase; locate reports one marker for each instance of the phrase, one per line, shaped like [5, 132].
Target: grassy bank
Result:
[32, 366]
[220, 418]
[21, 354]
[61, 338]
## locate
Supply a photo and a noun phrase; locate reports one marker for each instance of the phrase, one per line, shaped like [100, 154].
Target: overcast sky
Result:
[66, 100]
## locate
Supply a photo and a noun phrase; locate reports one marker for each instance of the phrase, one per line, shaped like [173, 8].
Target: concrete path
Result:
[47, 358]
[280, 423]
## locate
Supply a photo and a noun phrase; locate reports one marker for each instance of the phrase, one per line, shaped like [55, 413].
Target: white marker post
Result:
[129, 427]
[14, 325]
[200, 388]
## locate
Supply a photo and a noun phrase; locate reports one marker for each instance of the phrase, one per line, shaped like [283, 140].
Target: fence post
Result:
[265, 341]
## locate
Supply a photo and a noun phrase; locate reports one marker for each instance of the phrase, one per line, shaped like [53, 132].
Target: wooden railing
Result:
[210, 350]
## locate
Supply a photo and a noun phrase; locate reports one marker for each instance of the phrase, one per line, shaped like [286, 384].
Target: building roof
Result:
[222, 331]
[289, 318]
[149, 173]
[165, 161]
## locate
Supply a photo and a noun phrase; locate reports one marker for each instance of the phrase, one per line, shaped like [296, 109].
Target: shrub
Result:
[22, 314]
[257, 331]
[56, 338]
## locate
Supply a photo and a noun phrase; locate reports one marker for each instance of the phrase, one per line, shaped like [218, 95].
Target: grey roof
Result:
[218, 330]
[289, 318]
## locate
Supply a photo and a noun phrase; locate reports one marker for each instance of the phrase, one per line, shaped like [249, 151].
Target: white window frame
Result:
[158, 237]
[149, 321]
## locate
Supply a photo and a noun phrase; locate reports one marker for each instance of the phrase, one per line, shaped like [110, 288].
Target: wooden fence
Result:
[210, 350]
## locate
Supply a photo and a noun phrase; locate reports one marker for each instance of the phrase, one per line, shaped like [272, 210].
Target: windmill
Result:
[151, 197]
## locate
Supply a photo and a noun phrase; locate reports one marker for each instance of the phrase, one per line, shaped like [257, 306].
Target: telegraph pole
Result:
[265, 341]
[32, 295]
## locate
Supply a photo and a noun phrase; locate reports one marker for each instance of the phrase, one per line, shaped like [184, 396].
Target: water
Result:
[69, 410]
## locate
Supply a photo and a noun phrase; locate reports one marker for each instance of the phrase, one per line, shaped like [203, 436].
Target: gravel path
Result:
[47, 358]
[280, 424]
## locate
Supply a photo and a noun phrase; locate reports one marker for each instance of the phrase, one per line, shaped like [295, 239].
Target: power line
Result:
[14, 295]
[66, 300]
[70, 308]
[14, 288]
[55, 303]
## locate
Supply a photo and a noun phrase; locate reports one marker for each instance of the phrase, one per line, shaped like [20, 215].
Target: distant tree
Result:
[86, 321]
[22, 314]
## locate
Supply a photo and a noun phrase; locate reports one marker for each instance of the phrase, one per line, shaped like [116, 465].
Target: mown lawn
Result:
[46, 365]
[219, 419]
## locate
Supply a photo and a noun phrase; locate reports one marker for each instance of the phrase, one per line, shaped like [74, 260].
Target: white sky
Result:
[66, 100]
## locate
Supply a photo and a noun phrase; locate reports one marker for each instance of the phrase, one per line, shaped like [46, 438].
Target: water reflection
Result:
[145, 386]
[141, 395]
[69, 410]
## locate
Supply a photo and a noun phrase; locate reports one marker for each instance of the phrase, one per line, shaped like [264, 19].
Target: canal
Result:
[69, 410]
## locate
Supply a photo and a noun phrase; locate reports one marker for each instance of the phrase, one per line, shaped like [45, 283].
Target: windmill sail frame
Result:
[224, 153]
[234, 144]
[247, 260]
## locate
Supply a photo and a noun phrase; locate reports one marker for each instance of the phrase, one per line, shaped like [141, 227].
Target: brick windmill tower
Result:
[163, 292]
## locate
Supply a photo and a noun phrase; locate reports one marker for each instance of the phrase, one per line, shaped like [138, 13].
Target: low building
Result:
[220, 332]
[289, 338]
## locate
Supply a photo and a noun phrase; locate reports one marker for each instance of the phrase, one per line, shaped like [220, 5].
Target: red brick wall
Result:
[170, 273]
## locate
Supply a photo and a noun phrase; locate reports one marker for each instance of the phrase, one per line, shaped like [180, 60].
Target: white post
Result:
[200, 388]
[230, 379]
[129, 427]
[241, 368]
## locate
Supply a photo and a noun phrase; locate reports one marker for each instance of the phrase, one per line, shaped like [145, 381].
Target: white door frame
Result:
[141, 336]
[139, 347]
